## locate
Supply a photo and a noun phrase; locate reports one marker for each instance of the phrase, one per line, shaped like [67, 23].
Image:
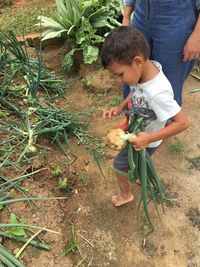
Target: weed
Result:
[56, 170]
[195, 163]
[82, 176]
[63, 183]
[194, 216]
[116, 101]
[177, 147]
[146, 226]
[73, 244]
[17, 230]
[87, 82]
[97, 97]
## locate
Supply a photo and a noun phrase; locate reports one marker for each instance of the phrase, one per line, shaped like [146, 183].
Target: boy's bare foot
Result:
[119, 200]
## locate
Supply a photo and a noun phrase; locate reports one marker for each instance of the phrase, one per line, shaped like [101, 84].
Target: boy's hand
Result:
[112, 112]
[141, 141]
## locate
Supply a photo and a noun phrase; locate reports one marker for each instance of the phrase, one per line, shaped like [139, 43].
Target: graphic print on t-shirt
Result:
[139, 105]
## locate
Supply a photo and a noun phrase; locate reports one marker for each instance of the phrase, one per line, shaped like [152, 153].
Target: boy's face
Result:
[129, 74]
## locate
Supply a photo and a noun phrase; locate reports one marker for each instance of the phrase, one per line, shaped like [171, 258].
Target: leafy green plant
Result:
[84, 22]
[17, 231]
[73, 243]
[56, 170]
[63, 183]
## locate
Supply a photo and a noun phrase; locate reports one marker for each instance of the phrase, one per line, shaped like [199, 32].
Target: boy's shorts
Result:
[121, 160]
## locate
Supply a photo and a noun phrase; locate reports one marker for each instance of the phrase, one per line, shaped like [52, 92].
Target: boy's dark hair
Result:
[122, 45]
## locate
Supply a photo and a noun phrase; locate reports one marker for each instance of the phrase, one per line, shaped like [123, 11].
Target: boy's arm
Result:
[179, 123]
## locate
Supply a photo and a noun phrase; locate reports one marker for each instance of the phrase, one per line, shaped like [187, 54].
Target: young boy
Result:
[125, 53]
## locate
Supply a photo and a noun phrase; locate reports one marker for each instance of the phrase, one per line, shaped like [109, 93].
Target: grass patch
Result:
[116, 101]
[177, 147]
[195, 163]
[22, 19]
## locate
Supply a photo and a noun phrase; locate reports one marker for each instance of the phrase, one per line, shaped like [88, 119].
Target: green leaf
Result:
[68, 60]
[13, 219]
[48, 23]
[56, 170]
[90, 54]
[61, 8]
[85, 32]
[17, 231]
[98, 39]
[63, 183]
[4, 113]
[52, 34]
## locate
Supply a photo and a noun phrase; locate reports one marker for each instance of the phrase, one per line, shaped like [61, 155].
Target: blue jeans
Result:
[121, 160]
[166, 25]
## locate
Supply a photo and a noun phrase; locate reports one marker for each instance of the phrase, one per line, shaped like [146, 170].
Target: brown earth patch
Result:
[108, 236]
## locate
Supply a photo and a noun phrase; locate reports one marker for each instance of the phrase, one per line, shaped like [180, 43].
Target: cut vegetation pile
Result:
[27, 91]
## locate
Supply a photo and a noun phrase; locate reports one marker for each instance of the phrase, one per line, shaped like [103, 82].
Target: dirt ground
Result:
[108, 236]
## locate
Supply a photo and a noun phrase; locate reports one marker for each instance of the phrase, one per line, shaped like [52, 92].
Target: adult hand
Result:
[141, 141]
[112, 112]
[192, 47]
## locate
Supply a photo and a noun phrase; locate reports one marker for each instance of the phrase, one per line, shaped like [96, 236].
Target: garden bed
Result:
[92, 232]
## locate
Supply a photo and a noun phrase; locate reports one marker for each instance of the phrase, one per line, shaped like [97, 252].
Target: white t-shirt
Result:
[154, 101]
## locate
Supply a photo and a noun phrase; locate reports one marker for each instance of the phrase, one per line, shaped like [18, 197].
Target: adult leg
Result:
[167, 32]
[177, 74]
[170, 31]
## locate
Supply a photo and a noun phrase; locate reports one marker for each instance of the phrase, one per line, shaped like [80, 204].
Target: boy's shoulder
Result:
[158, 85]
